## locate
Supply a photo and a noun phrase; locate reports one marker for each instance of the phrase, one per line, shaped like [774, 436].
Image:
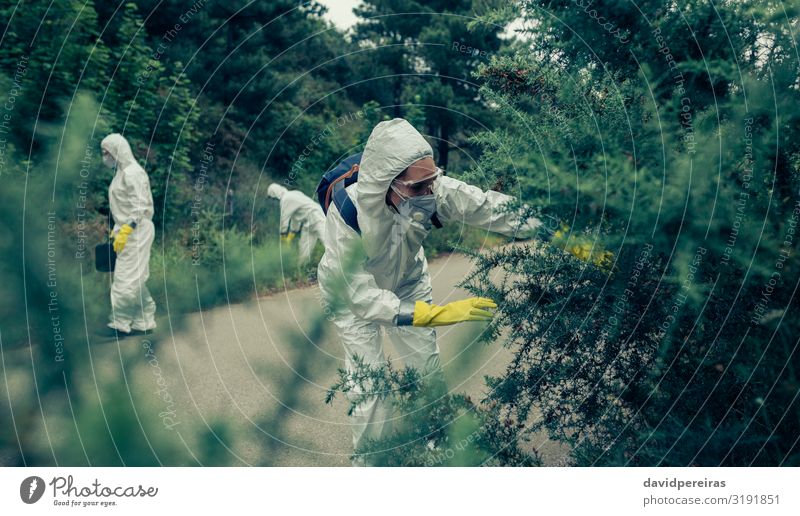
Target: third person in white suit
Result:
[398, 193]
[299, 214]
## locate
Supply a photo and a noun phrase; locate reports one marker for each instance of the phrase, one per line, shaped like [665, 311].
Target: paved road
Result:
[245, 366]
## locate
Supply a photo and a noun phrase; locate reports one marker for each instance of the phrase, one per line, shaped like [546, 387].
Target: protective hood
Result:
[390, 149]
[276, 191]
[120, 150]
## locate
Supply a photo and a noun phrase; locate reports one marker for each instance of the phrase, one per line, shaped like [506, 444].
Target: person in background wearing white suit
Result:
[299, 214]
[131, 202]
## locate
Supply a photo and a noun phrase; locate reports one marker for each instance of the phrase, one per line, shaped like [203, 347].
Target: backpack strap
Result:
[341, 181]
[345, 205]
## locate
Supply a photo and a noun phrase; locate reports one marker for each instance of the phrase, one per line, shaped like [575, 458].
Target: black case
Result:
[104, 257]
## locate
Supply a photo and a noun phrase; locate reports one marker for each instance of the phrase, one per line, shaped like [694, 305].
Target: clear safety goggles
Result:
[418, 187]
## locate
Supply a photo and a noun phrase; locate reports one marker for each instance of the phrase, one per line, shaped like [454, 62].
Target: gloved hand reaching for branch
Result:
[583, 249]
[470, 309]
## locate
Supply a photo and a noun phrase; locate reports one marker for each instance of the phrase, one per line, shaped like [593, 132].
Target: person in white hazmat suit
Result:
[131, 203]
[299, 214]
[399, 189]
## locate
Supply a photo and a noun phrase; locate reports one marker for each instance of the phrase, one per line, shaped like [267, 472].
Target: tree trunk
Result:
[398, 88]
[443, 145]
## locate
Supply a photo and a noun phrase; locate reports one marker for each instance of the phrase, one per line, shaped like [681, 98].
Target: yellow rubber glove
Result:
[584, 250]
[604, 260]
[470, 309]
[288, 237]
[122, 238]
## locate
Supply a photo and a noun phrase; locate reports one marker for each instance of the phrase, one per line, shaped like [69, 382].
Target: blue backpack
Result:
[332, 186]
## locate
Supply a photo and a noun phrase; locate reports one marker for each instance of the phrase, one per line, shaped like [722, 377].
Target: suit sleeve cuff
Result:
[406, 315]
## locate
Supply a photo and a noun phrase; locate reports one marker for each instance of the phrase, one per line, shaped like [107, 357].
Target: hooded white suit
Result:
[130, 200]
[300, 213]
[392, 272]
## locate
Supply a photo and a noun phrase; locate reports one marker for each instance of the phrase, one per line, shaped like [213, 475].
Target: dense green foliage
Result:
[674, 143]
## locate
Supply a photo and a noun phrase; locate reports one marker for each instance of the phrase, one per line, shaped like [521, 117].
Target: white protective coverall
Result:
[393, 272]
[300, 214]
[130, 199]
